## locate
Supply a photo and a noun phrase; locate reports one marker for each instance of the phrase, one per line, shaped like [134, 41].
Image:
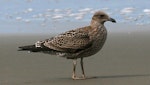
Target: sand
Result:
[124, 60]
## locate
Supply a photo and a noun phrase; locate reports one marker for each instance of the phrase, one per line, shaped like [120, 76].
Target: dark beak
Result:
[112, 20]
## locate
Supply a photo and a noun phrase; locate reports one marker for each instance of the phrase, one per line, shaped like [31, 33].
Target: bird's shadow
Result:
[92, 77]
[114, 76]
[119, 76]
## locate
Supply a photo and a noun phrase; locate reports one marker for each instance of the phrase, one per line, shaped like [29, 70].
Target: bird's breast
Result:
[98, 39]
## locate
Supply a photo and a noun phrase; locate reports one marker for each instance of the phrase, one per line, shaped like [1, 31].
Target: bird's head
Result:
[102, 17]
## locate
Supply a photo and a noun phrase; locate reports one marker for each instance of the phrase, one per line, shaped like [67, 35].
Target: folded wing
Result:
[71, 41]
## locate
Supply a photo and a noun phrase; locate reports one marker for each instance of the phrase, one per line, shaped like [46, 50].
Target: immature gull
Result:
[78, 43]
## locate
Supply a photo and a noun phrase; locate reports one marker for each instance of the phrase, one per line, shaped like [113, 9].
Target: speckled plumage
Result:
[78, 43]
[69, 41]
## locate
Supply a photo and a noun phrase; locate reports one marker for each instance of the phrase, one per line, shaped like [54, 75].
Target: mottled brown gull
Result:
[78, 43]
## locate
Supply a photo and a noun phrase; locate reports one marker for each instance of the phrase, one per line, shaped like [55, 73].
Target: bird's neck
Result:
[95, 24]
[96, 28]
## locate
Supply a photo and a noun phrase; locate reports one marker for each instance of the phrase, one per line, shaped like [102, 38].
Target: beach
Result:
[124, 60]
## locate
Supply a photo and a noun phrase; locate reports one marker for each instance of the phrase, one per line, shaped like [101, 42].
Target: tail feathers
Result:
[32, 48]
[28, 48]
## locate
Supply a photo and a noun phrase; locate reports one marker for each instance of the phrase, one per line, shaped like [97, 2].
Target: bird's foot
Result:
[78, 78]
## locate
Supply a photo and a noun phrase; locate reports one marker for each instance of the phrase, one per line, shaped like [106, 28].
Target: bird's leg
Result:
[83, 74]
[74, 69]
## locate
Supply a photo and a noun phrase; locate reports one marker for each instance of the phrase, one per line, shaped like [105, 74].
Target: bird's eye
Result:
[101, 16]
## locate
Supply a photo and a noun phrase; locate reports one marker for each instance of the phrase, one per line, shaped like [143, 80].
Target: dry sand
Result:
[124, 60]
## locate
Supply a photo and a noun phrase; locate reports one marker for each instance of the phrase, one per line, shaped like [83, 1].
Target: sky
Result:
[21, 13]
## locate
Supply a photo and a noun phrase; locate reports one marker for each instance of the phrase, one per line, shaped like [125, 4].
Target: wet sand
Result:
[124, 60]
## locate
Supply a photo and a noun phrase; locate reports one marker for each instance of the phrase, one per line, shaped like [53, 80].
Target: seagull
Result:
[74, 44]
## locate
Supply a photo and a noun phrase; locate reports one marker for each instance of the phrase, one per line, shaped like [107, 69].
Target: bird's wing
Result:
[69, 41]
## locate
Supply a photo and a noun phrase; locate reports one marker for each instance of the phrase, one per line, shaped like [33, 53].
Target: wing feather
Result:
[72, 40]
